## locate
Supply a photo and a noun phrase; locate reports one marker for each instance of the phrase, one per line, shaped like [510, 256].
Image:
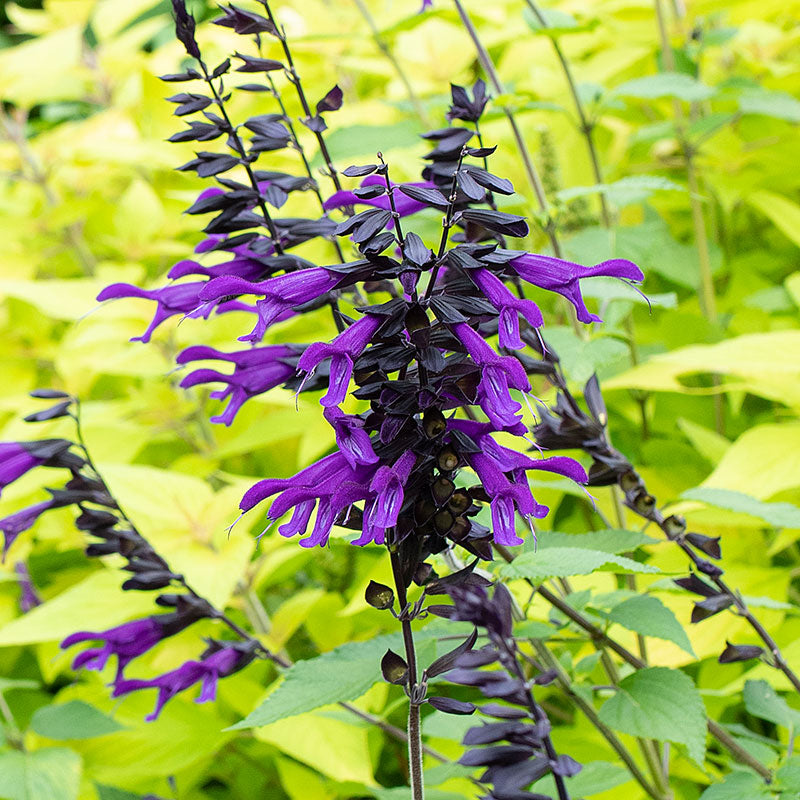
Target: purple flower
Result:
[405, 205]
[388, 484]
[126, 642]
[281, 294]
[255, 371]
[17, 458]
[15, 461]
[498, 374]
[28, 598]
[351, 439]
[331, 482]
[342, 351]
[558, 275]
[498, 294]
[336, 485]
[177, 298]
[495, 463]
[13, 525]
[221, 662]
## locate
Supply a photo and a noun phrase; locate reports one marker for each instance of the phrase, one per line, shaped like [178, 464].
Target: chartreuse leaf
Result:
[595, 777]
[53, 773]
[659, 703]
[666, 84]
[344, 673]
[771, 104]
[782, 212]
[650, 617]
[762, 701]
[561, 562]
[738, 786]
[73, 720]
[779, 515]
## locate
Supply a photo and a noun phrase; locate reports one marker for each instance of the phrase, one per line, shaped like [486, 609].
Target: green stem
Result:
[586, 126]
[414, 731]
[590, 713]
[387, 51]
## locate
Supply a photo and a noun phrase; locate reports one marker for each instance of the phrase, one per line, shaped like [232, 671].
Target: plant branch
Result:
[598, 636]
[387, 51]
[415, 691]
[294, 79]
[238, 145]
[589, 711]
[586, 125]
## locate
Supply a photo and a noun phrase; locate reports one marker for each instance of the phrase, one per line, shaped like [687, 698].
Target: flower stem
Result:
[387, 51]
[294, 79]
[708, 302]
[238, 145]
[599, 637]
[413, 689]
[586, 126]
[588, 710]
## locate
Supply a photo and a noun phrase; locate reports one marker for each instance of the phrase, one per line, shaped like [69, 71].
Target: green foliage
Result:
[89, 196]
[659, 703]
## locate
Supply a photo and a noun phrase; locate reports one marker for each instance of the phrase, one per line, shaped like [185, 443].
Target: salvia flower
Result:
[351, 438]
[126, 642]
[177, 298]
[28, 596]
[219, 661]
[563, 277]
[278, 295]
[342, 351]
[255, 371]
[498, 375]
[17, 458]
[15, 524]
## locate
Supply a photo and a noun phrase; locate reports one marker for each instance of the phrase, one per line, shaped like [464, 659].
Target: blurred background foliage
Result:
[88, 196]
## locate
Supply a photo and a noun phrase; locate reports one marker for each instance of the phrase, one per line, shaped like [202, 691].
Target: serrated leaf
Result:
[73, 720]
[562, 562]
[344, 673]
[606, 541]
[762, 701]
[666, 84]
[659, 703]
[631, 189]
[779, 515]
[650, 617]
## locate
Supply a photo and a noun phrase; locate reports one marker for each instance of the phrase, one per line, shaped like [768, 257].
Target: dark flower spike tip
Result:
[739, 652]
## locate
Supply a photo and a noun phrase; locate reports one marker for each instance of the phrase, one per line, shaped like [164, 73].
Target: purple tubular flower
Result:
[15, 461]
[179, 298]
[13, 525]
[388, 485]
[126, 642]
[225, 661]
[498, 294]
[331, 481]
[353, 442]
[406, 206]
[342, 351]
[498, 374]
[280, 294]
[562, 277]
[255, 371]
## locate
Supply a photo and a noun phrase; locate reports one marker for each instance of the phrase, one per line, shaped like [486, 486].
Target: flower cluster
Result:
[515, 748]
[113, 533]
